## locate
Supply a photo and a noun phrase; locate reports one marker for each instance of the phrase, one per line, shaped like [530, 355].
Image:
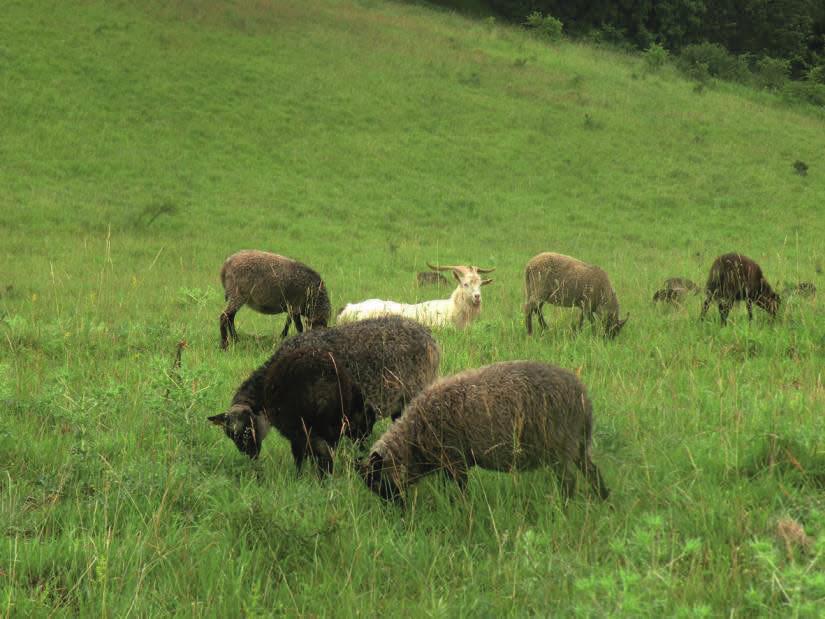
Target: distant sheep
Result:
[561, 280]
[460, 310]
[272, 284]
[515, 415]
[802, 289]
[675, 290]
[431, 278]
[734, 277]
[311, 399]
[387, 360]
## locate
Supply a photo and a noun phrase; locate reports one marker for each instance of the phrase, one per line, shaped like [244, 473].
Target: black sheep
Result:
[311, 400]
[734, 277]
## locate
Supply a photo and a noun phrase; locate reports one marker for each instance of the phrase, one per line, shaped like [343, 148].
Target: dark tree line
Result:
[792, 30]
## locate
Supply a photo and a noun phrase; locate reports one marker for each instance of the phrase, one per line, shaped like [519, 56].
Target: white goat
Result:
[462, 308]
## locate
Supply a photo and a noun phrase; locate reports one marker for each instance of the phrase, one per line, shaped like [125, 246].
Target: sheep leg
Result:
[750, 310]
[322, 454]
[458, 474]
[567, 483]
[298, 324]
[299, 452]
[228, 323]
[593, 476]
[286, 325]
[528, 320]
[541, 316]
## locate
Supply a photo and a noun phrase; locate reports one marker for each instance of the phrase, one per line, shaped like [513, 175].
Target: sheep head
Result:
[245, 428]
[384, 476]
[613, 328]
[769, 301]
[469, 281]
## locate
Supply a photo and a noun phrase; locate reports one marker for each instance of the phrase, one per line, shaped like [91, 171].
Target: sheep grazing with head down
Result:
[734, 277]
[460, 310]
[431, 278]
[675, 290]
[387, 361]
[311, 400]
[515, 415]
[561, 280]
[272, 284]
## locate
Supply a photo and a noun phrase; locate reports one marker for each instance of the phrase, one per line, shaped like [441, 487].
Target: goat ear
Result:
[218, 420]
[484, 282]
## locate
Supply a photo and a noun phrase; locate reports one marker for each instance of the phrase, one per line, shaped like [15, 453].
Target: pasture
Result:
[142, 144]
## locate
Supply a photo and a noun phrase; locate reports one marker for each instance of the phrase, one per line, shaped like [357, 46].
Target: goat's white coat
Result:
[461, 309]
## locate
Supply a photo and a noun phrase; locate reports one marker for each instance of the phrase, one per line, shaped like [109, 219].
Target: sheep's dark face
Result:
[613, 328]
[769, 301]
[380, 478]
[242, 426]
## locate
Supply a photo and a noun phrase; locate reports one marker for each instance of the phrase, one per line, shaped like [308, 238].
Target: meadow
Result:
[142, 143]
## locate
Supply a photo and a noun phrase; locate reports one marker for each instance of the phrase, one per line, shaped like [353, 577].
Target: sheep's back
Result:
[565, 281]
[507, 415]
[391, 359]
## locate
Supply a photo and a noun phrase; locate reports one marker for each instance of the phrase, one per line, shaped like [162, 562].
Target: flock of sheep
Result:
[381, 360]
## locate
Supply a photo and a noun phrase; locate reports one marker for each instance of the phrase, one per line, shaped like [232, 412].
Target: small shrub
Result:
[655, 57]
[817, 74]
[545, 26]
[771, 73]
[718, 62]
[807, 92]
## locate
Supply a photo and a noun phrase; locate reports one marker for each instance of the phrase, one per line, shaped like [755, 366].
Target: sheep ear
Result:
[484, 282]
[218, 420]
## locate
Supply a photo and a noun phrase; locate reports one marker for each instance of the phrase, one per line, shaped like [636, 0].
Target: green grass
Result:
[141, 146]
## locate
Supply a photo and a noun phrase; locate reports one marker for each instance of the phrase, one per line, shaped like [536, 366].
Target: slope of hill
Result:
[141, 143]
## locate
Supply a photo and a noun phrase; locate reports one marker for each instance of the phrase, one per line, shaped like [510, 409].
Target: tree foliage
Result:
[793, 30]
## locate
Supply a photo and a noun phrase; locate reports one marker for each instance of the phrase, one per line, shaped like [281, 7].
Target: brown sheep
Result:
[561, 280]
[428, 278]
[734, 277]
[272, 284]
[675, 290]
[515, 415]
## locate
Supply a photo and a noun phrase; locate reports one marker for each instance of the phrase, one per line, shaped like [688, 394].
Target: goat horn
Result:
[480, 270]
[436, 267]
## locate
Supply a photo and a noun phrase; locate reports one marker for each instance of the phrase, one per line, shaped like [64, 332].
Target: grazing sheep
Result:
[675, 290]
[431, 278]
[734, 277]
[561, 280]
[311, 400]
[802, 289]
[272, 284]
[515, 415]
[388, 360]
[460, 310]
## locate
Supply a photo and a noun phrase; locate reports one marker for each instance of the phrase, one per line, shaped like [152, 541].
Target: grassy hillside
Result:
[141, 143]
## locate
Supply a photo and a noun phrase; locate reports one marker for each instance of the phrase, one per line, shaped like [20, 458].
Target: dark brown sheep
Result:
[675, 289]
[431, 278]
[734, 277]
[515, 415]
[311, 400]
[388, 360]
[272, 284]
[802, 289]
